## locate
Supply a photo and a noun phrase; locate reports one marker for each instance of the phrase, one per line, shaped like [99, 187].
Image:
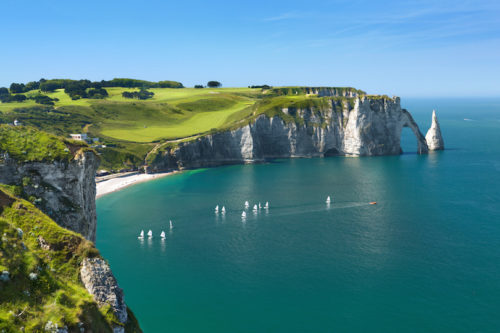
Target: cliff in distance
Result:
[334, 122]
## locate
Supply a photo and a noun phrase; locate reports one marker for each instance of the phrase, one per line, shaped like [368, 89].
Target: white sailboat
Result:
[171, 225]
[141, 235]
[216, 209]
[247, 204]
[223, 210]
[254, 208]
[244, 214]
[150, 234]
[260, 206]
[328, 200]
[162, 235]
[267, 205]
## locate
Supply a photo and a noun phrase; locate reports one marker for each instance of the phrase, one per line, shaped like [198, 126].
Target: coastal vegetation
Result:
[40, 287]
[131, 117]
[30, 145]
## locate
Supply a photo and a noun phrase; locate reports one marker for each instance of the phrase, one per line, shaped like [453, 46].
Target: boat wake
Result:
[313, 208]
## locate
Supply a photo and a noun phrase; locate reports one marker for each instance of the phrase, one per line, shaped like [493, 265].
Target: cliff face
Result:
[64, 190]
[365, 126]
[101, 283]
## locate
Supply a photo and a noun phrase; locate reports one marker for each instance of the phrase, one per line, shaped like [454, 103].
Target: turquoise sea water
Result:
[426, 258]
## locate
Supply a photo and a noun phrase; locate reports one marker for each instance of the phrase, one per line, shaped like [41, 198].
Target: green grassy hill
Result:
[131, 128]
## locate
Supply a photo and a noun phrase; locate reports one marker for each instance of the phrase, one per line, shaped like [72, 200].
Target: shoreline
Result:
[126, 179]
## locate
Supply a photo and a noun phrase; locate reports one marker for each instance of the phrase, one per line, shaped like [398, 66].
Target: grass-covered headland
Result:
[133, 117]
[40, 288]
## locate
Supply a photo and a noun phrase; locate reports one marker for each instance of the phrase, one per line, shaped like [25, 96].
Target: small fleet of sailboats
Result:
[256, 208]
[150, 233]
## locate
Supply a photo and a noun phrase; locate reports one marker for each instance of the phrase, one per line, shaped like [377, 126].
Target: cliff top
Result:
[28, 144]
[321, 91]
[39, 272]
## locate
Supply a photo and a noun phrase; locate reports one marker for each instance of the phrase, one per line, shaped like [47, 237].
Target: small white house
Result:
[80, 137]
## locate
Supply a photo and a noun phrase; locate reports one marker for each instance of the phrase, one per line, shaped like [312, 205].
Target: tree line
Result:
[54, 84]
[77, 89]
[141, 94]
[7, 97]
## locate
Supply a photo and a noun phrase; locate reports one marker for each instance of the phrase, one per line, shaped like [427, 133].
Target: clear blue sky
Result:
[405, 48]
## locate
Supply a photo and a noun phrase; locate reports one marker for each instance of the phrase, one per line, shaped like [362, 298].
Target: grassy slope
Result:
[56, 294]
[166, 115]
[28, 144]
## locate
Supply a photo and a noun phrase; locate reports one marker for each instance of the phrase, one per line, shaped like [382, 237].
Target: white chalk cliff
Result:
[358, 126]
[433, 137]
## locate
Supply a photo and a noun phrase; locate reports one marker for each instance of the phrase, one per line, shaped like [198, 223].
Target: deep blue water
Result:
[426, 258]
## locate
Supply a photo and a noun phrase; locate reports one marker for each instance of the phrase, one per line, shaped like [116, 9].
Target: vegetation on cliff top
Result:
[39, 273]
[29, 145]
[131, 128]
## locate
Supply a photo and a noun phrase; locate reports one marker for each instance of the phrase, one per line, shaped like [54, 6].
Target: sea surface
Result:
[426, 258]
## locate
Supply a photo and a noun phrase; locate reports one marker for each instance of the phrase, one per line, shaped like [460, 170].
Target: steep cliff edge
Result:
[57, 175]
[51, 278]
[434, 137]
[351, 124]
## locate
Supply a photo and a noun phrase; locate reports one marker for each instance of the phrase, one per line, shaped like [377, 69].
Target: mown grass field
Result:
[171, 113]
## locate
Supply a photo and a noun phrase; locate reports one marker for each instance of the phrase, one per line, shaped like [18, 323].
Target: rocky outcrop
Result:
[361, 126]
[63, 190]
[433, 137]
[101, 284]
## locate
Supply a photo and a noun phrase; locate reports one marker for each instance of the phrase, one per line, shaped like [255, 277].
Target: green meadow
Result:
[170, 114]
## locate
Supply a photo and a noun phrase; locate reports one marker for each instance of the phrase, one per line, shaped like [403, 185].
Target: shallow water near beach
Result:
[426, 258]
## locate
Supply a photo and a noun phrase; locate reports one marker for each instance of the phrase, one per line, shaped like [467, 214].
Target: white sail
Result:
[247, 204]
[223, 210]
[260, 206]
[141, 235]
[150, 234]
[243, 214]
[171, 225]
[328, 199]
[217, 208]
[162, 235]
[254, 207]
[267, 205]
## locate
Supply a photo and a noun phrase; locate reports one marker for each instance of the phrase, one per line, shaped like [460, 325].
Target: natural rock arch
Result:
[410, 122]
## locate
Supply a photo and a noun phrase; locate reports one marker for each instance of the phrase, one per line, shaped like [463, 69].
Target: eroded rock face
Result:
[101, 284]
[372, 126]
[433, 137]
[65, 191]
